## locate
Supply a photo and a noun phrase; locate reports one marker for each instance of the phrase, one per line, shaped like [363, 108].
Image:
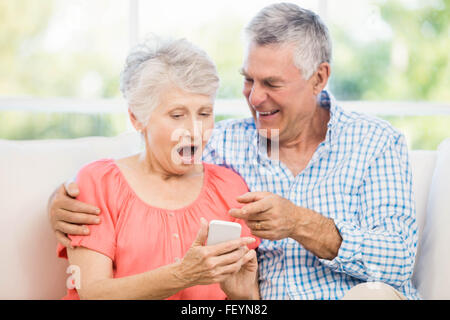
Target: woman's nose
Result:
[193, 128]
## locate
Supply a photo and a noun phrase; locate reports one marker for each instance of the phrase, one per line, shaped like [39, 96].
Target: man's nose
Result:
[257, 95]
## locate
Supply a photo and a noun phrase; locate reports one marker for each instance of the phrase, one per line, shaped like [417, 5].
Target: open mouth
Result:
[187, 151]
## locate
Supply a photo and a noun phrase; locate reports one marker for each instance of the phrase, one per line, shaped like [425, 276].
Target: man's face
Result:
[278, 96]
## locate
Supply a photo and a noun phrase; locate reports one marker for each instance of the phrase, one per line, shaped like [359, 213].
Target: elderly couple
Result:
[330, 212]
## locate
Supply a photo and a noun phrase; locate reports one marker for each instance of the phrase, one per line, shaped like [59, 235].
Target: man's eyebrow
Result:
[273, 79]
[268, 79]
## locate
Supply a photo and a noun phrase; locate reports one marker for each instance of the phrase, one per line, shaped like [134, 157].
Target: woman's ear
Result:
[136, 124]
[321, 77]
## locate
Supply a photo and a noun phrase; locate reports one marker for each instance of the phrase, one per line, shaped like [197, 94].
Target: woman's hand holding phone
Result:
[243, 285]
[212, 263]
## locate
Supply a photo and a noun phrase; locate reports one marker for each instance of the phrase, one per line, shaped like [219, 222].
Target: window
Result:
[62, 48]
[60, 60]
[388, 53]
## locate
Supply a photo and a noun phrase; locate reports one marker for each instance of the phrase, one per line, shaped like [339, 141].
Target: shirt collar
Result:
[327, 101]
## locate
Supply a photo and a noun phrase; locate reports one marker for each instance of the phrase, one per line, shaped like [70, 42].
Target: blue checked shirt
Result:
[360, 177]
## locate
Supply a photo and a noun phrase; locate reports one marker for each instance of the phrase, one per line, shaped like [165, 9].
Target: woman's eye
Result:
[205, 114]
[176, 116]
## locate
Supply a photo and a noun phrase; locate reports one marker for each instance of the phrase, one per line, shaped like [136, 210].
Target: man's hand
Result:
[268, 215]
[69, 216]
[272, 217]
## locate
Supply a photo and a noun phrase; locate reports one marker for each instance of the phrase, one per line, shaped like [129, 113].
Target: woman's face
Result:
[178, 130]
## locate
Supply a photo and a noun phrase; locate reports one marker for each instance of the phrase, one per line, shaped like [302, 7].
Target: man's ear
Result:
[321, 77]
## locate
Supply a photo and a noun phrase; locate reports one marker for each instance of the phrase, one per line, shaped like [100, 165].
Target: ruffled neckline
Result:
[195, 202]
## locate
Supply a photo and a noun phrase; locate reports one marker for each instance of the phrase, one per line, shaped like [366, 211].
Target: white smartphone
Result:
[221, 231]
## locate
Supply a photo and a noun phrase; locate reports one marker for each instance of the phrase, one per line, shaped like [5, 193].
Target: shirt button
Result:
[176, 235]
[171, 214]
[177, 259]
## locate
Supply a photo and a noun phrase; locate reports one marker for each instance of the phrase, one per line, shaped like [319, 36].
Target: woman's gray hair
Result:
[287, 23]
[159, 64]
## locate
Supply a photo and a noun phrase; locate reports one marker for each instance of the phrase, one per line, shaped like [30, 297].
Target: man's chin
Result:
[268, 132]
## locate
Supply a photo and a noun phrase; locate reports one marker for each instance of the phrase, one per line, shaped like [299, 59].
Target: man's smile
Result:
[267, 113]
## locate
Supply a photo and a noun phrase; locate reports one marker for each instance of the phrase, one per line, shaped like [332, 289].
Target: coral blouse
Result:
[139, 237]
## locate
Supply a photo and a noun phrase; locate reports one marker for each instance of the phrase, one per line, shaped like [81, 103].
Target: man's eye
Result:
[268, 84]
[205, 114]
[248, 80]
[176, 116]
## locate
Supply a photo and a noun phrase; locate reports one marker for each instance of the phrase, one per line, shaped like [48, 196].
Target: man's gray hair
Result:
[159, 64]
[287, 23]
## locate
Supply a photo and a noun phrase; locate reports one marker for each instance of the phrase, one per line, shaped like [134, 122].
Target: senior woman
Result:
[155, 205]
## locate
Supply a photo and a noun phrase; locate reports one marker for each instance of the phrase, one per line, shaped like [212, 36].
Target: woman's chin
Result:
[185, 165]
[187, 161]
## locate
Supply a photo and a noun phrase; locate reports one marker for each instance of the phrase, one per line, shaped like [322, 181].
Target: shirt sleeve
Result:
[93, 190]
[382, 246]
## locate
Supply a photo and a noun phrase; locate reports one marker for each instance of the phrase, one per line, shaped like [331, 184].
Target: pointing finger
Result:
[252, 196]
[252, 210]
[255, 209]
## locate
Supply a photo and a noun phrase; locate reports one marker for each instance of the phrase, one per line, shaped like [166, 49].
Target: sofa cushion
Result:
[422, 164]
[432, 275]
[30, 171]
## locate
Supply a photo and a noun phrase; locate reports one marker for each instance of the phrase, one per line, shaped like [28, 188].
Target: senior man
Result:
[331, 191]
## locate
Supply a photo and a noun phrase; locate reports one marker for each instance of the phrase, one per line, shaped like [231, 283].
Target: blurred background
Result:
[60, 60]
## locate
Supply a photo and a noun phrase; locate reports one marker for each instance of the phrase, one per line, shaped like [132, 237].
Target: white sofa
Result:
[31, 170]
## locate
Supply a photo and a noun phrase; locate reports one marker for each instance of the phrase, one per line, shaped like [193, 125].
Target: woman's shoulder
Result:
[100, 179]
[225, 177]
[224, 187]
[102, 173]
[97, 168]
[222, 171]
